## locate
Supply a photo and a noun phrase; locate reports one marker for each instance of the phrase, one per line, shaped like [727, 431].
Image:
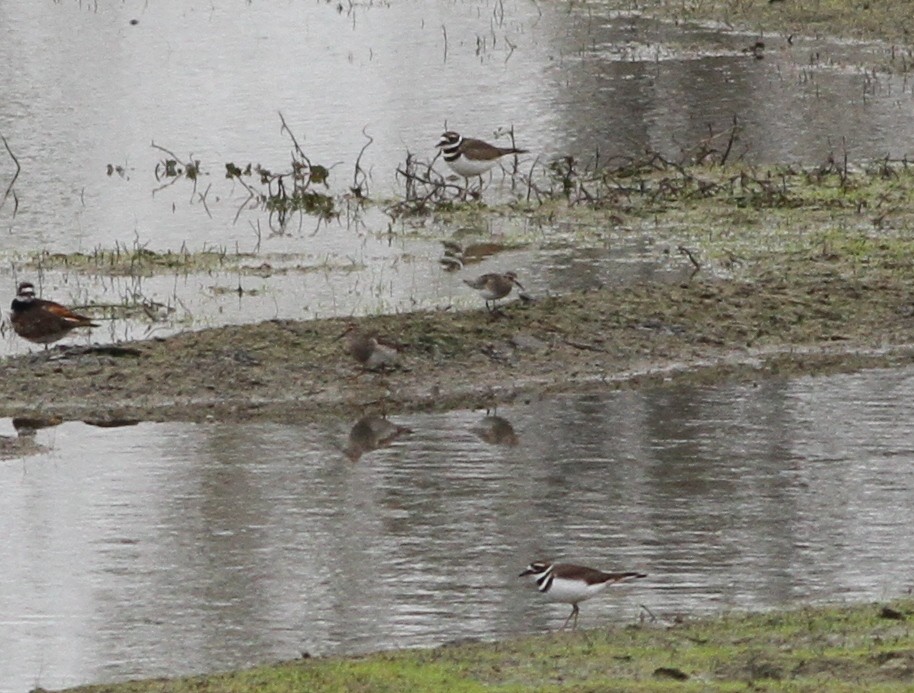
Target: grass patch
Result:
[847, 648]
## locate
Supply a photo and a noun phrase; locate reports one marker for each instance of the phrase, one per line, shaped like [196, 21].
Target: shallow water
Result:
[165, 548]
[87, 89]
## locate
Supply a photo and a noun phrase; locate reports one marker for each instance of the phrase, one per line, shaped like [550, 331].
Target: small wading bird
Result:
[494, 286]
[369, 349]
[571, 584]
[41, 321]
[470, 157]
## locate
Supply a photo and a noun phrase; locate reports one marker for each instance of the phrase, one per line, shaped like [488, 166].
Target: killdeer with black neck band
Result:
[571, 584]
[470, 157]
[41, 321]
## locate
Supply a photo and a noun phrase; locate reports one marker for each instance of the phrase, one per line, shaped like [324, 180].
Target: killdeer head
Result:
[470, 157]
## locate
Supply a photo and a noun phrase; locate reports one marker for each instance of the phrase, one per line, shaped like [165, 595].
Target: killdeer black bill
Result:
[41, 321]
[572, 584]
[470, 157]
[494, 286]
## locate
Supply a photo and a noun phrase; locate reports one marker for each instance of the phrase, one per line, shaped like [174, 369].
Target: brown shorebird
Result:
[571, 584]
[494, 286]
[369, 349]
[41, 321]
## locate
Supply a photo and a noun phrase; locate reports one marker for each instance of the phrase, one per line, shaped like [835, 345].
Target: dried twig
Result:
[9, 188]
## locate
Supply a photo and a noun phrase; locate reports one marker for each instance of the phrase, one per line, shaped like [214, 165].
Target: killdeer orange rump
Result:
[41, 321]
[572, 584]
[470, 157]
[494, 286]
[369, 349]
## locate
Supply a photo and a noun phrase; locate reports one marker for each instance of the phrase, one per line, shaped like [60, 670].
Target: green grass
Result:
[855, 648]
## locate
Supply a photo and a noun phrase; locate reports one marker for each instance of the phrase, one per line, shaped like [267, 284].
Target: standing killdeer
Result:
[369, 350]
[40, 321]
[571, 584]
[494, 286]
[469, 157]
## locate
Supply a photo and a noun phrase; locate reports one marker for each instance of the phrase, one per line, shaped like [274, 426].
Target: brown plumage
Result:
[571, 584]
[370, 433]
[41, 321]
[496, 430]
[469, 157]
[369, 349]
[494, 286]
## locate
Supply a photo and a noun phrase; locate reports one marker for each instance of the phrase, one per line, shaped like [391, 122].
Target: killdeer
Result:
[470, 157]
[41, 321]
[571, 584]
[494, 286]
[369, 349]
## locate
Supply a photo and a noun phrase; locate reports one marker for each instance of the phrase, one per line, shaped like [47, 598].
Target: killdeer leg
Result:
[574, 613]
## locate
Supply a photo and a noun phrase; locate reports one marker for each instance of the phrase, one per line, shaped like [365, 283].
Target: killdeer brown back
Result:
[369, 349]
[41, 321]
[494, 286]
[470, 157]
[571, 584]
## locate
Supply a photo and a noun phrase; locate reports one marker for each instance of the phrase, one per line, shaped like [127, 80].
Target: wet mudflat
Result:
[236, 480]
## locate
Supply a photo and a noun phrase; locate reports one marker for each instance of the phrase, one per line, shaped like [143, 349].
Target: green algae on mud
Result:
[142, 262]
[817, 277]
[838, 648]
[890, 20]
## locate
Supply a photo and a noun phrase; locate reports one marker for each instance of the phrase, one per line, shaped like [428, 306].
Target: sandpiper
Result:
[571, 584]
[494, 286]
[369, 349]
[41, 321]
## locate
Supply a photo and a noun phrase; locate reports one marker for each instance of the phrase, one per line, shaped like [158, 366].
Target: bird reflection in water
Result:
[370, 433]
[496, 430]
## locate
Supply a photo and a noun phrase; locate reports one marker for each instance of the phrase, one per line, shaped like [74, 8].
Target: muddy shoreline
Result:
[810, 317]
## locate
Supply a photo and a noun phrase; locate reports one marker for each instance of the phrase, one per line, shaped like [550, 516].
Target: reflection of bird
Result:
[40, 321]
[370, 433]
[571, 584]
[496, 430]
[369, 349]
[470, 157]
[28, 425]
[494, 286]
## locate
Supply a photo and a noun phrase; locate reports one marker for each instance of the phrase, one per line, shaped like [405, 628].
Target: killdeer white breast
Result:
[369, 349]
[470, 157]
[41, 321]
[571, 584]
[494, 286]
